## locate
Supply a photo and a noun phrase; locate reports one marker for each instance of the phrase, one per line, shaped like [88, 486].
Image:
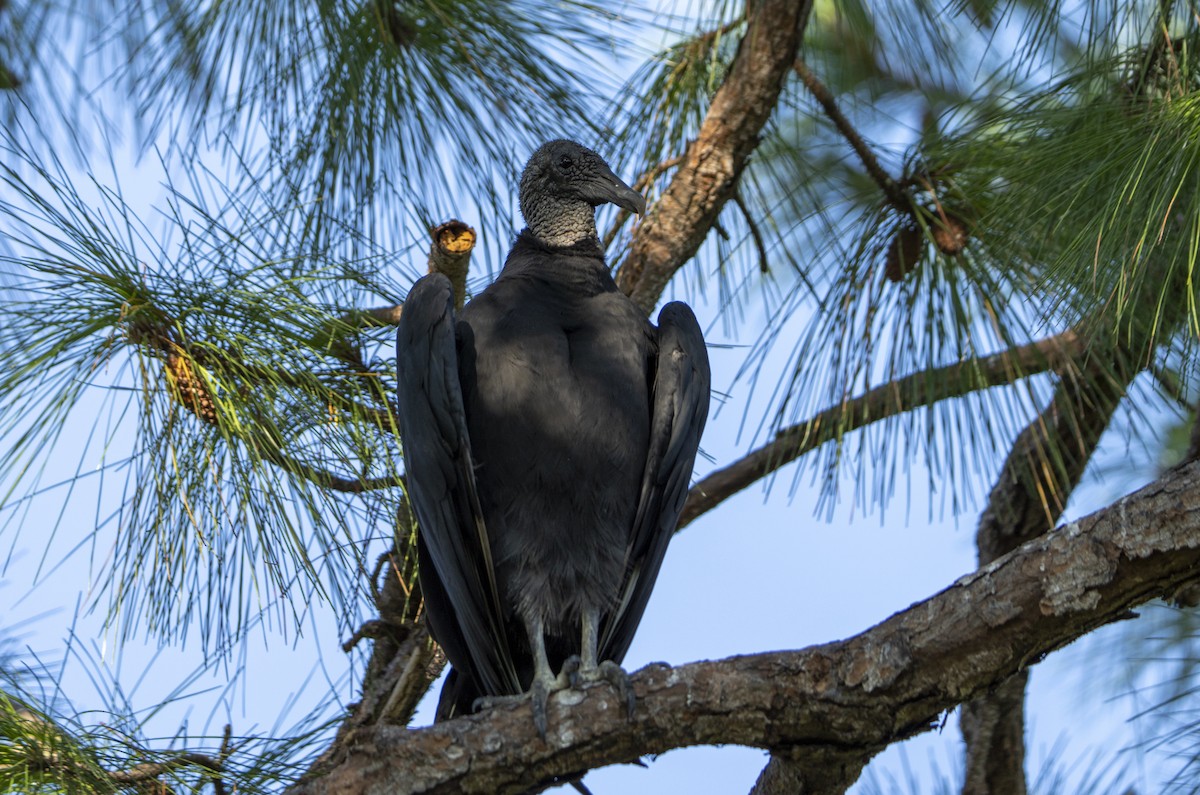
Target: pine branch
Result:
[681, 219]
[851, 698]
[895, 196]
[152, 771]
[828, 771]
[324, 478]
[904, 394]
[73, 768]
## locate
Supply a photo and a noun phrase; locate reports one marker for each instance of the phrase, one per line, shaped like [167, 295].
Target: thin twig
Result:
[325, 478]
[148, 771]
[641, 184]
[223, 755]
[904, 394]
[372, 628]
[895, 196]
[764, 265]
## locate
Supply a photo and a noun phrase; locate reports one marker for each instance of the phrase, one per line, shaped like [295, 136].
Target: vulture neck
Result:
[561, 224]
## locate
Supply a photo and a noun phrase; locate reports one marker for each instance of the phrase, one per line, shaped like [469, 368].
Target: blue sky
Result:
[765, 571]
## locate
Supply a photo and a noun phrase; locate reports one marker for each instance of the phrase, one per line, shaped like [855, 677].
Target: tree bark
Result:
[1044, 466]
[678, 223]
[850, 698]
[828, 772]
[993, 727]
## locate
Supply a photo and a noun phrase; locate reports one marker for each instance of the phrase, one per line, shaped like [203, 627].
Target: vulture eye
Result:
[565, 161]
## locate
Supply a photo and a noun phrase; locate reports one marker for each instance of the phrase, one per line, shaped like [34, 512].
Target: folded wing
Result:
[456, 572]
[679, 408]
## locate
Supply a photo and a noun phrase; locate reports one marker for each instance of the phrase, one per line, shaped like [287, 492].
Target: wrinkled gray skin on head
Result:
[561, 187]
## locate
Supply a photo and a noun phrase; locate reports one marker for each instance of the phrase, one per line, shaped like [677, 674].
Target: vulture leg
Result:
[586, 668]
[544, 681]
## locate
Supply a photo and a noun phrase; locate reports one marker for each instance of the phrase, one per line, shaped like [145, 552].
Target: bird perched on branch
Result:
[549, 435]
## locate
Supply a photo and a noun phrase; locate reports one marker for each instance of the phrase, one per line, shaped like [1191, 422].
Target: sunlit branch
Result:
[845, 700]
[324, 478]
[895, 397]
[681, 219]
[895, 196]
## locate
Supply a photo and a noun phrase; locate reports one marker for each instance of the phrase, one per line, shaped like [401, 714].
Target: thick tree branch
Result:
[852, 697]
[1044, 466]
[895, 397]
[815, 771]
[707, 179]
[993, 728]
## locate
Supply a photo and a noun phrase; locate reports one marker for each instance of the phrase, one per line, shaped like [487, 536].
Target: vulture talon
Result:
[616, 676]
[539, 696]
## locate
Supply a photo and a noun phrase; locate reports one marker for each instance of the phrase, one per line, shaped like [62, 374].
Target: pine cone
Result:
[189, 390]
[904, 252]
[950, 235]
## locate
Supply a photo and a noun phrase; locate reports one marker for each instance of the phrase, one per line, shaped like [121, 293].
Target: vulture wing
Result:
[679, 408]
[457, 576]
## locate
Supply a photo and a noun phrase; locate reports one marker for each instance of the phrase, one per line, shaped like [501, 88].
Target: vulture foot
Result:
[579, 675]
[539, 694]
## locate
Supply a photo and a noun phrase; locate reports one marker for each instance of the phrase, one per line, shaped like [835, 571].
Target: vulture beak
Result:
[606, 187]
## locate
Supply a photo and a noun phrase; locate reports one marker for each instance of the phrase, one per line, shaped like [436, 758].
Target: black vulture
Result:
[549, 434]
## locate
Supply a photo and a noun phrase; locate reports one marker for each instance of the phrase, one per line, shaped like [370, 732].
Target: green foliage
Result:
[241, 412]
[1035, 187]
[48, 746]
[1040, 163]
[1091, 188]
[377, 114]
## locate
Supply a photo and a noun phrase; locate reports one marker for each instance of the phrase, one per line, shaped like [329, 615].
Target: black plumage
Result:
[549, 436]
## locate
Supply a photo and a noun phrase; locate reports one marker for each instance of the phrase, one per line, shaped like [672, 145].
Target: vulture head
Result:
[562, 185]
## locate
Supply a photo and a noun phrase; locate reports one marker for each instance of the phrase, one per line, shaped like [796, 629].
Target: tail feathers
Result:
[458, 697]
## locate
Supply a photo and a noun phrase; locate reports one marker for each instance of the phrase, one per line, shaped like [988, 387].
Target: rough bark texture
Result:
[853, 697]
[1044, 466]
[821, 771]
[993, 727]
[707, 179]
